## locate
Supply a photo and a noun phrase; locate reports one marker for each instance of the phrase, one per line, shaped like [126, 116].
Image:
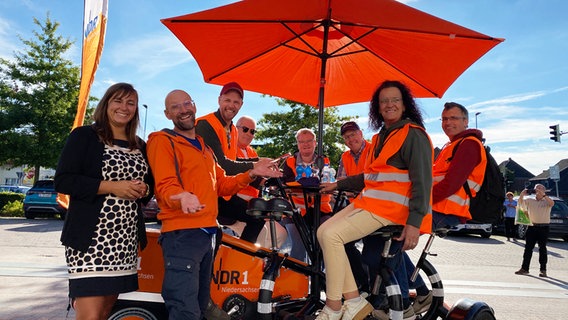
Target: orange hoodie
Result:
[200, 175]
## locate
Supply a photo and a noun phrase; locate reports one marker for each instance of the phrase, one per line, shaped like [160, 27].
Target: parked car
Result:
[558, 221]
[151, 210]
[16, 189]
[471, 227]
[41, 199]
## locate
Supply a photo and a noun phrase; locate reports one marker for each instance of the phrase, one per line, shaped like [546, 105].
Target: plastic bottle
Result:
[332, 174]
[299, 172]
[326, 174]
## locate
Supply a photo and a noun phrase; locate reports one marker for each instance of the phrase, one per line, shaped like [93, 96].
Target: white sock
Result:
[333, 311]
[354, 300]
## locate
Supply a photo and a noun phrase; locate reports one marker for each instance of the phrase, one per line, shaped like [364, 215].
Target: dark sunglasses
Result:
[246, 129]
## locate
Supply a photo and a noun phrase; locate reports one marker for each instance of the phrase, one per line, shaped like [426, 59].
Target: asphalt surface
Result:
[33, 277]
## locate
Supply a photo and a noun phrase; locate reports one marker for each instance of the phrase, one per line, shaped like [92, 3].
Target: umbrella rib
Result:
[437, 33]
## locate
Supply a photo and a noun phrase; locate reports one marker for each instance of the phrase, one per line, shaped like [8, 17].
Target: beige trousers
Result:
[345, 226]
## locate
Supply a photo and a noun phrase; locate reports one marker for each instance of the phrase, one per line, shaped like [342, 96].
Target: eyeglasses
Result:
[391, 100]
[445, 119]
[185, 104]
[247, 129]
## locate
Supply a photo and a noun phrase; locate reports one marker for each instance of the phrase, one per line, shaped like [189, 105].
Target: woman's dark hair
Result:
[102, 123]
[411, 111]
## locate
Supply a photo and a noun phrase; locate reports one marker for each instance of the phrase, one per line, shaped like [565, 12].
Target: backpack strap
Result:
[465, 185]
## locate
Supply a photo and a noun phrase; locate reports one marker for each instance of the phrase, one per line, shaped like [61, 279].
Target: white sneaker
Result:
[408, 314]
[422, 303]
[356, 310]
[328, 314]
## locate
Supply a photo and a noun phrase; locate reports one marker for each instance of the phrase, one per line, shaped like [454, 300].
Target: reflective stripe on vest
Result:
[387, 189]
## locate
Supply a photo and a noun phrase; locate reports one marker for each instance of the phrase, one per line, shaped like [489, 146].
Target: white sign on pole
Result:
[554, 172]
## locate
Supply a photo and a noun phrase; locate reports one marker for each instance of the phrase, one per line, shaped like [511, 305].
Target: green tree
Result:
[38, 99]
[277, 130]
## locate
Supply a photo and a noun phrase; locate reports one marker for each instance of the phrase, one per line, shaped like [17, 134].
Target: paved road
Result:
[33, 283]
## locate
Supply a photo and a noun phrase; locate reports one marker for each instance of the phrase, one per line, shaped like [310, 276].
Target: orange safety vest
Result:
[351, 168]
[325, 206]
[458, 203]
[387, 189]
[229, 145]
[249, 191]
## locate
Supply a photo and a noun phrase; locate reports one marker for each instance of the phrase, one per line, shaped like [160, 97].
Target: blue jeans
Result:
[372, 248]
[188, 263]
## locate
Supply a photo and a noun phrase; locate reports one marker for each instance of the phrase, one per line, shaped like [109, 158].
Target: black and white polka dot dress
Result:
[110, 264]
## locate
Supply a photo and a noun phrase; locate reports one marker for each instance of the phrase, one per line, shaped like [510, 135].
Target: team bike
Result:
[254, 282]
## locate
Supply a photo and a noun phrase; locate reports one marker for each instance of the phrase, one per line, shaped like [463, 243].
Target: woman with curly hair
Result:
[396, 189]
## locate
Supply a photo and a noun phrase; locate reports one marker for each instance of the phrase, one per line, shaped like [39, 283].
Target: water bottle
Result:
[332, 174]
[326, 174]
[299, 172]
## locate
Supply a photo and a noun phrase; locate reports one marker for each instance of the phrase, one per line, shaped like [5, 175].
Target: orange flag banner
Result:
[94, 27]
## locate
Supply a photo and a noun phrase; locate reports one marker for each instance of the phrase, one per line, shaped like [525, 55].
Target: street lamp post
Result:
[476, 114]
[145, 118]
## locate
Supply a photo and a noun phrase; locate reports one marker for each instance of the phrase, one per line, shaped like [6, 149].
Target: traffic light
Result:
[555, 132]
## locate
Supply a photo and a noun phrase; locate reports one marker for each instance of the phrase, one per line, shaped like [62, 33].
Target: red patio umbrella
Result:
[328, 52]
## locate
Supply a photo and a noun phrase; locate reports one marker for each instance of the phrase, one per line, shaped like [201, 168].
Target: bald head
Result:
[180, 108]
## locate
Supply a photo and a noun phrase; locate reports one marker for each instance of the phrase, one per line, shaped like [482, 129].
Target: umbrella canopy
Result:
[328, 52]
[281, 47]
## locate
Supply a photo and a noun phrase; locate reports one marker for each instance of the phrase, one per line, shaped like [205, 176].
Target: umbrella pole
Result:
[316, 282]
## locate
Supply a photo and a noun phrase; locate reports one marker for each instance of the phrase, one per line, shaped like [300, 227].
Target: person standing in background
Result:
[538, 209]
[510, 211]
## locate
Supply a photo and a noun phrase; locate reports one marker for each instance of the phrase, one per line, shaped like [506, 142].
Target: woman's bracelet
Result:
[147, 190]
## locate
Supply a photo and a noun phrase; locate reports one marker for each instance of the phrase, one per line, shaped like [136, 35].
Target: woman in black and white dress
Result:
[104, 171]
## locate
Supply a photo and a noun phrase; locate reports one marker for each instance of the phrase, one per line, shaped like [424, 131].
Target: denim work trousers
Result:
[188, 263]
[536, 234]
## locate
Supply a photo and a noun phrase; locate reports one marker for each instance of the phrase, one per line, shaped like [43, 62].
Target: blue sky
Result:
[520, 87]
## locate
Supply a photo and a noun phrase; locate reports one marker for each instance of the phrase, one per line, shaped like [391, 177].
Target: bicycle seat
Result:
[389, 231]
[441, 232]
[269, 209]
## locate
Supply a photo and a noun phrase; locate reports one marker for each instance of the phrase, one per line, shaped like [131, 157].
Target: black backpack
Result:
[487, 205]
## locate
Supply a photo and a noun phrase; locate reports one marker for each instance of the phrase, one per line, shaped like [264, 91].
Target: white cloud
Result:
[149, 55]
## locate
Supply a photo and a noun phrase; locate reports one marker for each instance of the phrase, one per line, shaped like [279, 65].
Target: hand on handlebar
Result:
[328, 186]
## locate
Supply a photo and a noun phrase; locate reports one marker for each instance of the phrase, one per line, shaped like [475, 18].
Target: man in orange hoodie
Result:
[188, 181]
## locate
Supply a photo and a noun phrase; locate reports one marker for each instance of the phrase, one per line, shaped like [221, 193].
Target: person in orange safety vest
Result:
[303, 164]
[220, 134]
[396, 189]
[246, 128]
[453, 168]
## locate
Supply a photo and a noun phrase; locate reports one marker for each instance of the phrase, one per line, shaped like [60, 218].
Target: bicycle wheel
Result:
[437, 308]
